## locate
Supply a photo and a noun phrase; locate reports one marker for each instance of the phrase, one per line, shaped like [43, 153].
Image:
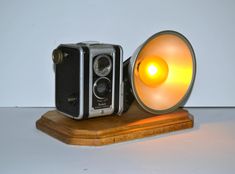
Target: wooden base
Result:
[136, 123]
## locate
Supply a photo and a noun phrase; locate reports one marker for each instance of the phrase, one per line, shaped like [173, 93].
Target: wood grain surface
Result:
[136, 123]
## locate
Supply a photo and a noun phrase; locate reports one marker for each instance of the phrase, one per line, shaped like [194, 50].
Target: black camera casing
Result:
[88, 79]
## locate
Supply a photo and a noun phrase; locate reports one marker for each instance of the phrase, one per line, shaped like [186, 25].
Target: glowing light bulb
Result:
[153, 71]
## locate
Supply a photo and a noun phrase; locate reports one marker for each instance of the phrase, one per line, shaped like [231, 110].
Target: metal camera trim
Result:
[96, 50]
[96, 61]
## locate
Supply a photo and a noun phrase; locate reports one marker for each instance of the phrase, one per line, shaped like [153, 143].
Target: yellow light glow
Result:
[153, 71]
[179, 73]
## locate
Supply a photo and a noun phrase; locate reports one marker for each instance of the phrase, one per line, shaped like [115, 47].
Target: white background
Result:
[29, 30]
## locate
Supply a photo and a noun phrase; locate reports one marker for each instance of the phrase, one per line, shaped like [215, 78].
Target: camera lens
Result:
[102, 65]
[102, 87]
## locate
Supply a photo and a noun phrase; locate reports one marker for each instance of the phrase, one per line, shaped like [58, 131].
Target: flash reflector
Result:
[161, 72]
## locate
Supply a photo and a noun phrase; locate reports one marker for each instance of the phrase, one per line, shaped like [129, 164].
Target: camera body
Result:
[88, 79]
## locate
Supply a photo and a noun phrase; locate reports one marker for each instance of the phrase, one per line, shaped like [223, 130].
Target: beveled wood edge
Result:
[66, 131]
[99, 141]
[117, 138]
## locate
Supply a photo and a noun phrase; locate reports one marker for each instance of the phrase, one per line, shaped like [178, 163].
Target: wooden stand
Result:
[136, 123]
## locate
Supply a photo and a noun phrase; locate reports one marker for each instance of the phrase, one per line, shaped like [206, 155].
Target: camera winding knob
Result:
[57, 56]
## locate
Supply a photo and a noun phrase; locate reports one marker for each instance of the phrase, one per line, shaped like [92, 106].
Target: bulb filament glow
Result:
[153, 71]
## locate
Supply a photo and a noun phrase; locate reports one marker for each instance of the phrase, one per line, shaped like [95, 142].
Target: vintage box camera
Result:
[88, 79]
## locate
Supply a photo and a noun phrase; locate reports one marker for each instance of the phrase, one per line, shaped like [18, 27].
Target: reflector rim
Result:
[132, 66]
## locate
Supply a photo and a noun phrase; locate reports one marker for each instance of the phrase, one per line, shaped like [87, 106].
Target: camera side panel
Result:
[67, 82]
[118, 92]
